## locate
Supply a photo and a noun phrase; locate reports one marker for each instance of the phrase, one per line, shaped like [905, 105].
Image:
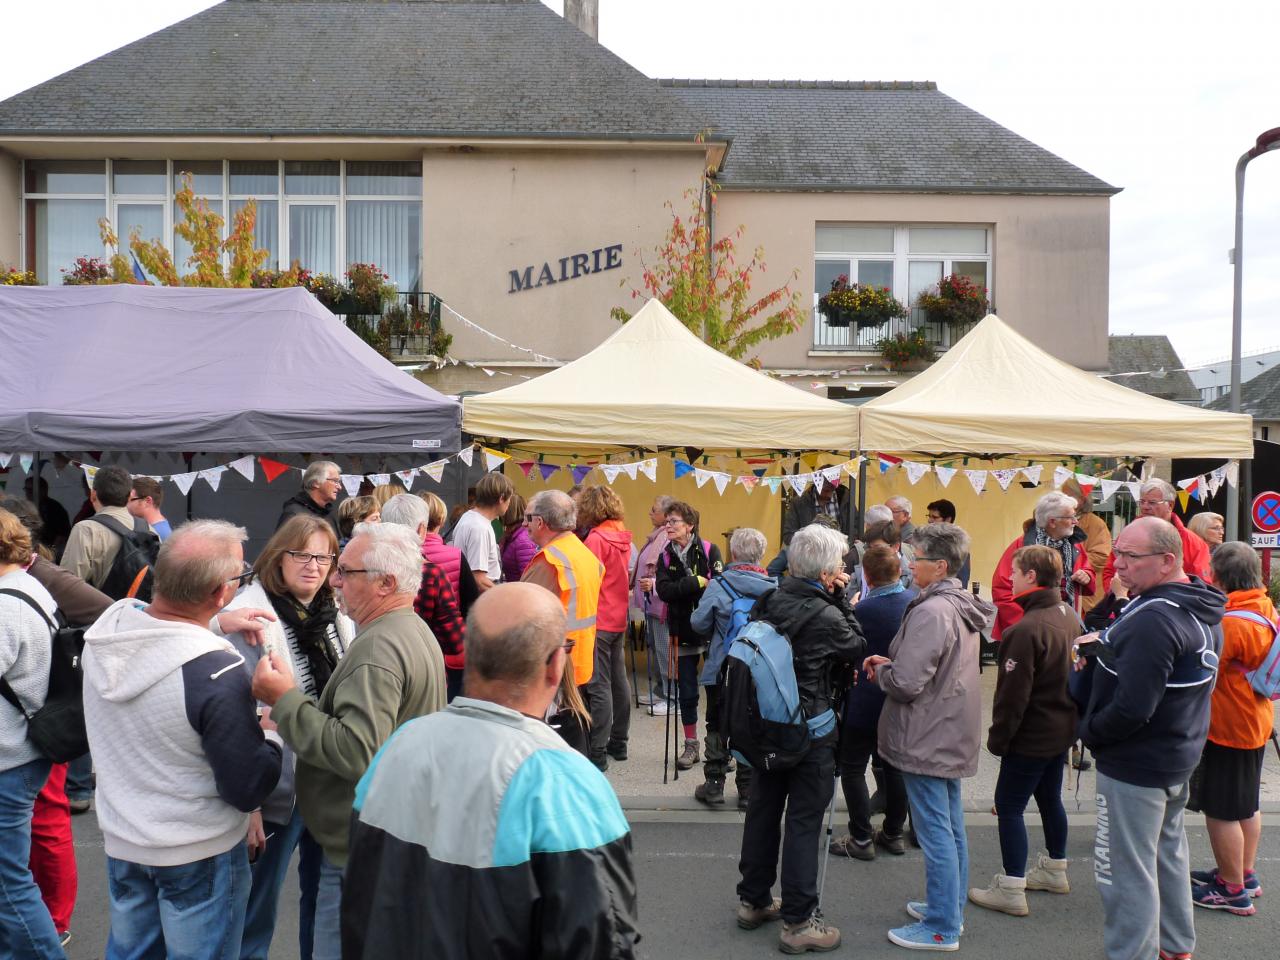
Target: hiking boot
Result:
[617, 749]
[917, 936]
[689, 756]
[710, 792]
[79, 806]
[1215, 896]
[847, 846]
[1006, 895]
[1251, 881]
[814, 934]
[894, 845]
[1049, 874]
[600, 761]
[750, 917]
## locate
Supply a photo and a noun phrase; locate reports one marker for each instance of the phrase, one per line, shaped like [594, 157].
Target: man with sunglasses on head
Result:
[1155, 499]
[321, 484]
[1146, 723]
[392, 672]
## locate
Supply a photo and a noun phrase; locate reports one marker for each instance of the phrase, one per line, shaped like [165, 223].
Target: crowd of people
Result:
[421, 704]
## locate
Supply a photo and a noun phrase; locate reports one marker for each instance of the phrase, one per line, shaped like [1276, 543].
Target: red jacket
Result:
[437, 605]
[1195, 556]
[1009, 611]
[611, 543]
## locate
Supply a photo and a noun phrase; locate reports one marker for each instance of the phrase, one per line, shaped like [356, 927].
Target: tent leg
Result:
[862, 494]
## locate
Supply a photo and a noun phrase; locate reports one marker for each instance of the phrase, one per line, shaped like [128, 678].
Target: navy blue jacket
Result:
[880, 617]
[1148, 712]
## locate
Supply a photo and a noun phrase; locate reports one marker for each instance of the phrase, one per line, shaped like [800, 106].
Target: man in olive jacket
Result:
[392, 673]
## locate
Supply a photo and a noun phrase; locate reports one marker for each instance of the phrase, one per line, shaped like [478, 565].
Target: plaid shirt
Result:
[437, 605]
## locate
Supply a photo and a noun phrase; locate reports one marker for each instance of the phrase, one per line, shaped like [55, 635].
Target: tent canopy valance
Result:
[128, 367]
[655, 384]
[995, 392]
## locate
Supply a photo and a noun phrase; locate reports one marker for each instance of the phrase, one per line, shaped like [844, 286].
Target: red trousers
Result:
[53, 852]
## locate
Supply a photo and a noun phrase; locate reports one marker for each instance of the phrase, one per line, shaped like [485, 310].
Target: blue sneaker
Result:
[1251, 882]
[916, 909]
[1215, 896]
[919, 937]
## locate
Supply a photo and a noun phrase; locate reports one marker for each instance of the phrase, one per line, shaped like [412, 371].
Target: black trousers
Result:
[857, 746]
[802, 793]
[715, 757]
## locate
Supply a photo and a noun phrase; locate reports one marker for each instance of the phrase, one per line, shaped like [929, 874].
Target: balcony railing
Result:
[867, 339]
[408, 332]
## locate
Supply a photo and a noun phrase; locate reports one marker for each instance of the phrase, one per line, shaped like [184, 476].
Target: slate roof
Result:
[512, 68]
[1259, 397]
[895, 136]
[1126, 354]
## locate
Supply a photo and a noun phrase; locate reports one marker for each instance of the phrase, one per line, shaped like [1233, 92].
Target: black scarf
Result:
[310, 625]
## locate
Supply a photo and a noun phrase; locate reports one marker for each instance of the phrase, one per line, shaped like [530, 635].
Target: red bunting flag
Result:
[526, 466]
[272, 468]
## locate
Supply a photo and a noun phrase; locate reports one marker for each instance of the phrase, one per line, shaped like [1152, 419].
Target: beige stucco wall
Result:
[487, 212]
[1049, 263]
[10, 223]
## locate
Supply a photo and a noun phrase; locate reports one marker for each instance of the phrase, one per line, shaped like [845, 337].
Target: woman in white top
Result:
[26, 929]
[292, 580]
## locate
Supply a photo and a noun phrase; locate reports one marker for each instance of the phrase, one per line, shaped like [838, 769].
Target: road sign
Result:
[1266, 512]
[1261, 541]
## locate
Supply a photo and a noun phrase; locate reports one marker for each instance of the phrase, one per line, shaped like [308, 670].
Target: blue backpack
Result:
[1266, 679]
[761, 718]
[740, 607]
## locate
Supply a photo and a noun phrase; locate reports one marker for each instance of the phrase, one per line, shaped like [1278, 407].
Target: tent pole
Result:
[35, 482]
[862, 493]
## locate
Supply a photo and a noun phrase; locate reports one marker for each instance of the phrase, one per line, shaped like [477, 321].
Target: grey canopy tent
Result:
[124, 367]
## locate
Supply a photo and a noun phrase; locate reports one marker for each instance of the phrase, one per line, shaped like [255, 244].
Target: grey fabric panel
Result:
[184, 369]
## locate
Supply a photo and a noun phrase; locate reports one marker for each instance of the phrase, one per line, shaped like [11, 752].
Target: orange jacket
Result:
[1238, 717]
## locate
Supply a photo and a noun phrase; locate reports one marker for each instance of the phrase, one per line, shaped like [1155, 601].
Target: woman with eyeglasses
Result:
[1054, 526]
[291, 579]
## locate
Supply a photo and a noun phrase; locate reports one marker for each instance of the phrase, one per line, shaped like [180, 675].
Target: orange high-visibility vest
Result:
[579, 574]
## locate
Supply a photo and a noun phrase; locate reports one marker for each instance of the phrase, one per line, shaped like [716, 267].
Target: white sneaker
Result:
[645, 699]
[659, 708]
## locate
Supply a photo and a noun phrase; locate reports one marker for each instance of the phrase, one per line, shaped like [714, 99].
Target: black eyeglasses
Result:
[244, 577]
[304, 558]
[345, 572]
[566, 647]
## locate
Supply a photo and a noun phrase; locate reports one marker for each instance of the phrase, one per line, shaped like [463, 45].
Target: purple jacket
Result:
[518, 549]
[646, 564]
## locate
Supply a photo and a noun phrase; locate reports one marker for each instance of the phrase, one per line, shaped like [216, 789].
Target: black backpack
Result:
[57, 728]
[131, 571]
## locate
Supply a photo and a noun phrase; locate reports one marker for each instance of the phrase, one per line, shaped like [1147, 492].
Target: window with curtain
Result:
[387, 233]
[60, 231]
[266, 228]
[313, 229]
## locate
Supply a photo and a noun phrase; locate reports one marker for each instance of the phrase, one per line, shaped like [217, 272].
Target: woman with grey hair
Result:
[1054, 526]
[930, 726]
[811, 610]
[651, 607]
[742, 582]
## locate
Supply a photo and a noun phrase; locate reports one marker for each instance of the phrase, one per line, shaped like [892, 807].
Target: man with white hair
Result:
[900, 509]
[181, 760]
[321, 482]
[1155, 499]
[392, 672]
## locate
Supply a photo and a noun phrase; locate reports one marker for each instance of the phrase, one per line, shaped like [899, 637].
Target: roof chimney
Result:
[585, 15]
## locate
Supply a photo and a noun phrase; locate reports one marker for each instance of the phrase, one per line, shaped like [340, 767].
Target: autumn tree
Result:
[701, 282]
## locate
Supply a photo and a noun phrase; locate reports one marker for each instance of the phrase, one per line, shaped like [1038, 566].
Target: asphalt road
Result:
[686, 865]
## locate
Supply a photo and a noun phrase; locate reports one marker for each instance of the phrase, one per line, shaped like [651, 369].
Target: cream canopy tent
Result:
[995, 392]
[655, 384]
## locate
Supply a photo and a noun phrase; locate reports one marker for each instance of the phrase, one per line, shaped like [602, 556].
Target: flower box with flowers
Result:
[957, 300]
[907, 351]
[859, 304]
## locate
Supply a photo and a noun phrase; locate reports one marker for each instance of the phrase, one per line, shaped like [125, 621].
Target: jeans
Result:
[328, 925]
[25, 927]
[716, 755]
[1140, 863]
[857, 746]
[452, 683]
[803, 792]
[310, 856]
[193, 910]
[938, 817]
[689, 688]
[610, 694]
[269, 873]
[80, 778]
[1020, 779]
[658, 640]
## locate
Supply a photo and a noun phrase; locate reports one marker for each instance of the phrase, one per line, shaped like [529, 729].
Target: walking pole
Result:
[631, 642]
[826, 855]
[666, 713]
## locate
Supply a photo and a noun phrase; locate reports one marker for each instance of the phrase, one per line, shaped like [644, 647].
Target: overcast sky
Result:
[1157, 98]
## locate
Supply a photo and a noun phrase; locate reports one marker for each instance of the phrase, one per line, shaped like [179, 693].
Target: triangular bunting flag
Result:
[4, 460]
[819, 481]
[1109, 487]
[748, 482]
[1183, 497]
[435, 470]
[701, 476]
[380, 479]
[978, 478]
[25, 460]
[944, 474]
[467, 454]
[406, 477]
[213, 476]
[1086, 483]
[885, 464]
[1233, 473]
[493, 459]
[722, 481]
[89, 472]
[1033, 473]
[351, 483]
[890, 460]
[611, 471]
[270, 469]
[526, 467]
[1060, 476]
[683, 468]
[580, 471]
[650, 468]
[630, 469]
[760, 471]
[1186, 484]
[547, 469]
[833, 475]
[915, 471]
[1005, 477]
[184, 481]
[799, 481]
[773, 483]
[244, 467]
[1135, 489]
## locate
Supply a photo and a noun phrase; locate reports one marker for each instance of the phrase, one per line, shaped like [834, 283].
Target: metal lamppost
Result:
[1266, 141]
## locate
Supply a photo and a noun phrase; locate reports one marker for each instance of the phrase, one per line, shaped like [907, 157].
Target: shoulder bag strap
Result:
[7, 691]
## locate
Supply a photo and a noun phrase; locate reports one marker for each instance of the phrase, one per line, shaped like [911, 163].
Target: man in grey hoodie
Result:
[931, 726]
[180, 755]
